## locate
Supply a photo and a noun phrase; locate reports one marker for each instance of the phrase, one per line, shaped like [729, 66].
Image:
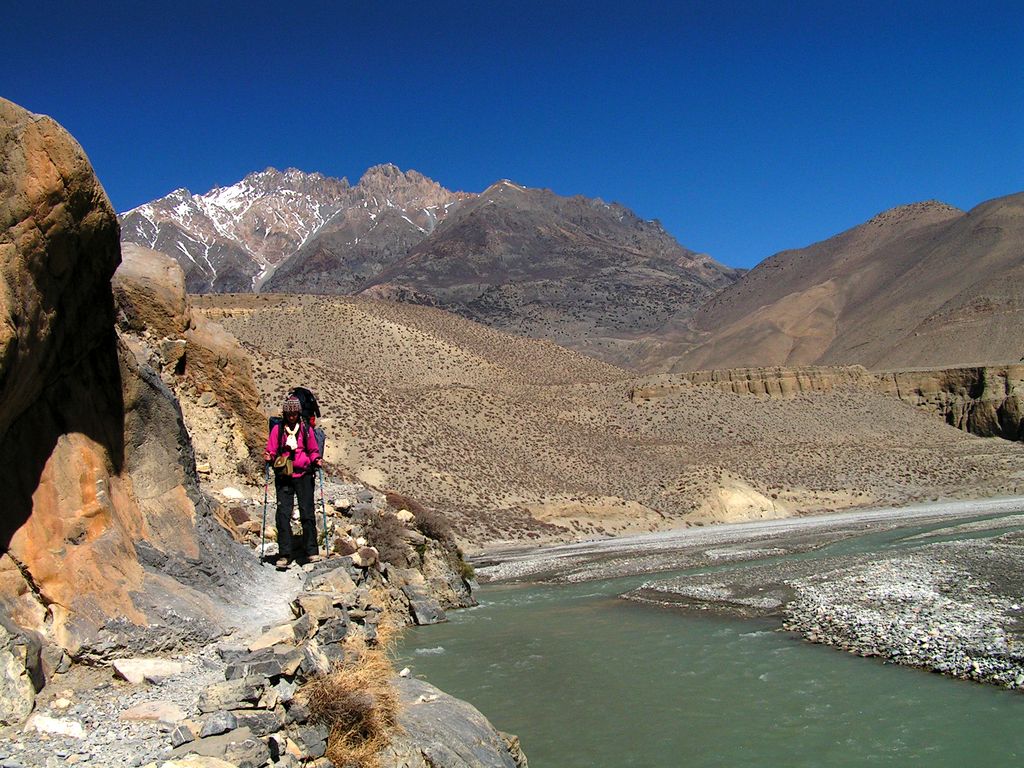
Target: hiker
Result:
[292, 447]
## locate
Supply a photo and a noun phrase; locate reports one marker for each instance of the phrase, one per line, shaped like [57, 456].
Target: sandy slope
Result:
[919, 285]
[520, 439]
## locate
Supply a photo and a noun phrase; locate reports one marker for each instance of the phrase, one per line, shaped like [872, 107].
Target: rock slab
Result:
[440, 731]
[143, 670]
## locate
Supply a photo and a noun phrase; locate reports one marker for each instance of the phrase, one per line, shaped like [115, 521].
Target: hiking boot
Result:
[314, 558]
[282, 562]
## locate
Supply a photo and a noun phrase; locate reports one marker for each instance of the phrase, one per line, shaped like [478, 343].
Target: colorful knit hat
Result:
[291, 405]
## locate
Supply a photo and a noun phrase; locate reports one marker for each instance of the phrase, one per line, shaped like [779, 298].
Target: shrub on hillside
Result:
[385, 533]
[398, 501]
[429, 522]
[434, 525]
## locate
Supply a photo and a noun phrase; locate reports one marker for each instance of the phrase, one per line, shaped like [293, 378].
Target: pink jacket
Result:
[307, 453]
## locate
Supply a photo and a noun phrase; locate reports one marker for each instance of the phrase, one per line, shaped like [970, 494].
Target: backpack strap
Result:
[280, 438]
[304, 433]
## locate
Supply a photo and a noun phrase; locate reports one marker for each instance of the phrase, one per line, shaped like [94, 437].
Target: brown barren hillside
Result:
[521, 439]
[586, 274]
[924, 285]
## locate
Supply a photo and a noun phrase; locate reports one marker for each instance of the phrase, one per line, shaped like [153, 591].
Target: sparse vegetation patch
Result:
[385, 533]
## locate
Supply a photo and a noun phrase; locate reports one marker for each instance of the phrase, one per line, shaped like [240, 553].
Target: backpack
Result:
[310, 407]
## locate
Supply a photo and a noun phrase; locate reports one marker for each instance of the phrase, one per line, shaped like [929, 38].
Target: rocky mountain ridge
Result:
[233, 238]
[579, 271]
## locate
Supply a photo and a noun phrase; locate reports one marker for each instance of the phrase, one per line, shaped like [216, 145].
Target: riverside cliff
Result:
[101, 482]
[985, 400]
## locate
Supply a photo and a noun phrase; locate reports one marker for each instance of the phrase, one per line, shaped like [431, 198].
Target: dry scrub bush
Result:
[357, 702]
[430, 522]
[385, 533]
[466, 571]
[434, 525]
[398, 501]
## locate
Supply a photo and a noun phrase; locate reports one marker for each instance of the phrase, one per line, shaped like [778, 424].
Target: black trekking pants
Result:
[288, 489]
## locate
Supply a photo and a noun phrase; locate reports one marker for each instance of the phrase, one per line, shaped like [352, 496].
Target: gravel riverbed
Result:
[954, 608]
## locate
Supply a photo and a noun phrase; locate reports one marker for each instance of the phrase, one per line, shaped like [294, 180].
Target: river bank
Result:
[947, 596]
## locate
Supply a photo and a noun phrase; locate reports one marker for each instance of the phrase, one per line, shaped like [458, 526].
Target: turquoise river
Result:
[588, 679]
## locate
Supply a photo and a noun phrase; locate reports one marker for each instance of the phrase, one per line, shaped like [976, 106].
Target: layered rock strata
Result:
[987, 401]
[778, 382]
[983, 400]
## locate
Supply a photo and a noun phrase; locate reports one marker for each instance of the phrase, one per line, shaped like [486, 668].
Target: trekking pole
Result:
[266, 493]
[323, 508]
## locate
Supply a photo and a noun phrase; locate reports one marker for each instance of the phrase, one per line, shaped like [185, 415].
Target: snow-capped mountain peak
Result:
[233, 237]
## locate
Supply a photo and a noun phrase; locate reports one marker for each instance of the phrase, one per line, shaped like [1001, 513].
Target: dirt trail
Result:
[96, 700]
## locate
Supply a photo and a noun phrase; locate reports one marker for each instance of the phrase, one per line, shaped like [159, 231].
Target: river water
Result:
[588, 679]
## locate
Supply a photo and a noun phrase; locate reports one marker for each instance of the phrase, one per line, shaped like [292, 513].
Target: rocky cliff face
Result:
[770, 382]
[985, 400]
[106, 540]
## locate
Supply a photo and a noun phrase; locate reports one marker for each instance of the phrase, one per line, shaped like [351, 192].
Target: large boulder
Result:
[105, 540]
[58, 248]
[149, 289]
[210, 372]
[58, 240]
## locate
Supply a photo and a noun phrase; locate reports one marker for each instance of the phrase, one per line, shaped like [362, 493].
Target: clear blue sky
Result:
[745, 127]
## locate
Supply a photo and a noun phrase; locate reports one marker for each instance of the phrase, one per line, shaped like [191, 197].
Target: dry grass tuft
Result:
[357, 702]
